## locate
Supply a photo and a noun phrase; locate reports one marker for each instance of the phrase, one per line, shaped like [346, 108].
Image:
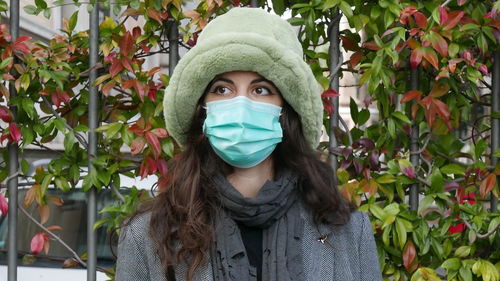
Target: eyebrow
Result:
[260, 79]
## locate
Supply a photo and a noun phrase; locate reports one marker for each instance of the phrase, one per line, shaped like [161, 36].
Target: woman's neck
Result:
[249, 181]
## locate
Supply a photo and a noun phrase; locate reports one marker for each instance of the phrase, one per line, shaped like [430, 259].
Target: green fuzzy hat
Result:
[246, 39]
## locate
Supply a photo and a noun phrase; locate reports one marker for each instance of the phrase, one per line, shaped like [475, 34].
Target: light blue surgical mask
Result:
[241, 131]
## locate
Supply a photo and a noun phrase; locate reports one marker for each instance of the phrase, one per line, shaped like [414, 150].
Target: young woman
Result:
[248, 198]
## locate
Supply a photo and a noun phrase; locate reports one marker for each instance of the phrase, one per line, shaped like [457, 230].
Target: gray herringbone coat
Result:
[349, 255]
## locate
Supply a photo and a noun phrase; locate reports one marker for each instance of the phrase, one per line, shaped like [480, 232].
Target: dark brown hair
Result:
[181, 223]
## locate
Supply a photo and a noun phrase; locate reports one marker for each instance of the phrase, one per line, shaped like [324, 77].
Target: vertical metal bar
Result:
[334, 50]
[173, 43]
[414, 158]
[92, 151]
[495, 122]
[13, 164]
[254, 3]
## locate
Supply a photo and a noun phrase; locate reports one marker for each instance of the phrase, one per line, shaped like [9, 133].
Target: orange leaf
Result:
[115, 68]
[137, 145]
[44, 212]
[487, 185]
[153, 71]
[107, 87]
[160, 132]
[439, 44]
[355, 58]
[412, 43]
[55, 200]
[29, 197]
[54, 227]
[431, 57]
[439, 90]
[413, 94]
[441, 109]
[154, 14]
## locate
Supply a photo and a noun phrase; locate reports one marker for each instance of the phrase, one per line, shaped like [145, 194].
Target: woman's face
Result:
[243, 83]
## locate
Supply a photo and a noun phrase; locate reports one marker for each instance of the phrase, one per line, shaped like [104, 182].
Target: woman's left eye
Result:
[262, 91]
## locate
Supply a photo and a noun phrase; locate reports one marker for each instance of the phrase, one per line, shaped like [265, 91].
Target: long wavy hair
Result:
[182, 215]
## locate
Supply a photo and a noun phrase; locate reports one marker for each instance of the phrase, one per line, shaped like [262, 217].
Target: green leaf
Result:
[29, 107]
[28, 135]
[69, 141]
[391, 127]
[41, 4]
[453, 49]
[328, 4]
[437, 182]
[363, 116]
[31, 10]
[453, 169]
[462, 251]
[428, 199]
[279, 6]
[354, 110]
[25, 166]
[451, 264]
[401, 231]
[465, 273]
[377, 212]
[497, 153]
[62, 184]
[346, 9]
[72, 21]
[401, 116]
[5, 62]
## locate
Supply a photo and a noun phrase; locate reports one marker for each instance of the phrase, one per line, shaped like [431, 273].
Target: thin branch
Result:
[473, 100]
[57, 238]
[486, 84]
[344, 124]
[477, 232]
[117, 193]
[423, 147]
[452, 160]
[4, 182]
[55, 113]
[422, 181]
[445, 3]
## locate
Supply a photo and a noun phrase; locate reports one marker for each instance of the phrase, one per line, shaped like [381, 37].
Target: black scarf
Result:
[277, 211]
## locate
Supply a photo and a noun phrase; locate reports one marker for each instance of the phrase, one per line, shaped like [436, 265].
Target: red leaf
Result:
[420, 20]
[330, 93]
[136, 32]
[416, 57]
[431, 57]
[162, 167]
[154, 14]
[453, 19]
[349, 43]
[487, 185]
[137, 145]
[38, 243]
[126, 44]
[115, 68]
[4, 206]
[154, 143]
[127, 63]
[413, 94]
[160, 132]
[371, 46]
[44, 212]
[443, 15]
[20, 46]
[409, 255]
[140, 89]
[5, 114]
[459, 228]
[328, 106]
[15, 133]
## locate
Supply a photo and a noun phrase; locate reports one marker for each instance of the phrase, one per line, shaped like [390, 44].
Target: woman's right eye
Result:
[221, 90]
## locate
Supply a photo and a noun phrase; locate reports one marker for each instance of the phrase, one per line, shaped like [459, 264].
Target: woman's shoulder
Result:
[358, 225]
[137, 226]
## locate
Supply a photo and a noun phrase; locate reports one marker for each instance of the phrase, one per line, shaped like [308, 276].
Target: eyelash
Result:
[215, 90]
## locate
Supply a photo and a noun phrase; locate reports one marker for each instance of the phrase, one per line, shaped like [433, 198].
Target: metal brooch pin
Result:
[322, 238]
